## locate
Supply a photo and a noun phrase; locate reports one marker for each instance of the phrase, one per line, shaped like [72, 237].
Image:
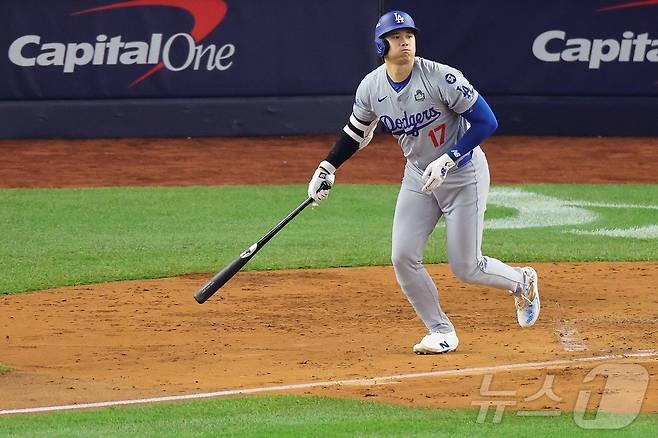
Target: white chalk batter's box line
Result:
[360, 381]
[569, 337]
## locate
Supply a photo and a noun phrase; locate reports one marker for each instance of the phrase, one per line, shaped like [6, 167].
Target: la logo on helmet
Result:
[398, 18]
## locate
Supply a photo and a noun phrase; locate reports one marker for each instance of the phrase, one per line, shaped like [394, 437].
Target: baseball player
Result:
[426, 105]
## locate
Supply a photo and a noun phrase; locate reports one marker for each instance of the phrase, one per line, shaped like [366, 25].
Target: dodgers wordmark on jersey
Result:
[425, 114]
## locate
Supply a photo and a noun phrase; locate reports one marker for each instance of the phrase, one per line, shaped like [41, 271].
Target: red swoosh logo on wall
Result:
[629, 5]
[207, 15]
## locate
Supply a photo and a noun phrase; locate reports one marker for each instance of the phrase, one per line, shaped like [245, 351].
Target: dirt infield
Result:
[180, 162]
[147, 338]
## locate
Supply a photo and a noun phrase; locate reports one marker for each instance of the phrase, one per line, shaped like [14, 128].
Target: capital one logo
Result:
[112, 50]
[631, 47]
[398, 18]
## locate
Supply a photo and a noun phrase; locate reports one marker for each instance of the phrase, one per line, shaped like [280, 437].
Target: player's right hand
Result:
[321, 182]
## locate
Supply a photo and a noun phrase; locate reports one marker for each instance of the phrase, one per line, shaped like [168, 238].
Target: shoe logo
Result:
[444, 344]
[381, 99]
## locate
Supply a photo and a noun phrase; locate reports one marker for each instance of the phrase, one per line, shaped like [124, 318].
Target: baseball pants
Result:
[462, 201]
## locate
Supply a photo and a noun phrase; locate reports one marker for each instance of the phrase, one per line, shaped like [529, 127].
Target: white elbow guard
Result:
[361, 133]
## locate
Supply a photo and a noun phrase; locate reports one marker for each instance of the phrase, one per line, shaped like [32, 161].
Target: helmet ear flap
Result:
[382, 47]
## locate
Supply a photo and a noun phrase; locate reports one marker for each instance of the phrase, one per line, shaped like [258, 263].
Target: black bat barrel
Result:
[213, 285]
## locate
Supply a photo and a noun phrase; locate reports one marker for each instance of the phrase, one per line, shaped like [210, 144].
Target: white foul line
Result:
[360, 381]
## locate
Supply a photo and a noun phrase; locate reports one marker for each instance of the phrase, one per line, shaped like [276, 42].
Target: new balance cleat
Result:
[437, 343]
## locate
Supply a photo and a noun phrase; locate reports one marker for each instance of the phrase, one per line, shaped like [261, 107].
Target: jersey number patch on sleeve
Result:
[438, 135]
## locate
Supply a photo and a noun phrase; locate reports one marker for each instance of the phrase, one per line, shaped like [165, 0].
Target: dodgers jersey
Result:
[425, 114]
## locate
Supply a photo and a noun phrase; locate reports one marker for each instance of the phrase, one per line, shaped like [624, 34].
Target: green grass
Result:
[55, 237]
[299, 416]
[4, 369]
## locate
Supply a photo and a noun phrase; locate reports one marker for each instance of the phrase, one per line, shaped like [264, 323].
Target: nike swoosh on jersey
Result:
[379, 100]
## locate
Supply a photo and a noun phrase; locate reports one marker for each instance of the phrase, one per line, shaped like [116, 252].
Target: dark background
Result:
[297, 64]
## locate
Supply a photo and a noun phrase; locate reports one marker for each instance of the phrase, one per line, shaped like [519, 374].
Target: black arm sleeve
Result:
[342, 150]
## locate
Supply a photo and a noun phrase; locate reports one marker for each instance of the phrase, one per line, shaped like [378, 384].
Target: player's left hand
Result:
[436, 172]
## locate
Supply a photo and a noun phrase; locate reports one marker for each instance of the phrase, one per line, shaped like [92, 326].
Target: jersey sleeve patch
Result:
[457, 91]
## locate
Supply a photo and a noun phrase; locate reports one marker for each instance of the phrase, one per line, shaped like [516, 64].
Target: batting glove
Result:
[436, 172]
[321, 183]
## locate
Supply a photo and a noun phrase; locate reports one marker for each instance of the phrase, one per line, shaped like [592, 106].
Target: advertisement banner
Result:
[80, 68]
[566, 48]
[73, 49]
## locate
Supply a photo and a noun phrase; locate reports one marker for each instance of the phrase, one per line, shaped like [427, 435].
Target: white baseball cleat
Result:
[436, 343]
[527, 303]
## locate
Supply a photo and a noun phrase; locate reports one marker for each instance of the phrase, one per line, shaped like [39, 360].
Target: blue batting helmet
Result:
[388, 22]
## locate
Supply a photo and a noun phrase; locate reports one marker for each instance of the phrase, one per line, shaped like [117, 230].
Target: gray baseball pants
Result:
[462, 201]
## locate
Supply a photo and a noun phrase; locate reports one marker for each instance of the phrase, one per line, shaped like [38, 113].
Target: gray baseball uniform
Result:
[424, 116]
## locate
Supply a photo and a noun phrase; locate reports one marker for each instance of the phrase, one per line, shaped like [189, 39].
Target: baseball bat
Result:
[220, 279]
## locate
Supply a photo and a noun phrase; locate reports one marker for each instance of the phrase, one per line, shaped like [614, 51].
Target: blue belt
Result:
[465, 160]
